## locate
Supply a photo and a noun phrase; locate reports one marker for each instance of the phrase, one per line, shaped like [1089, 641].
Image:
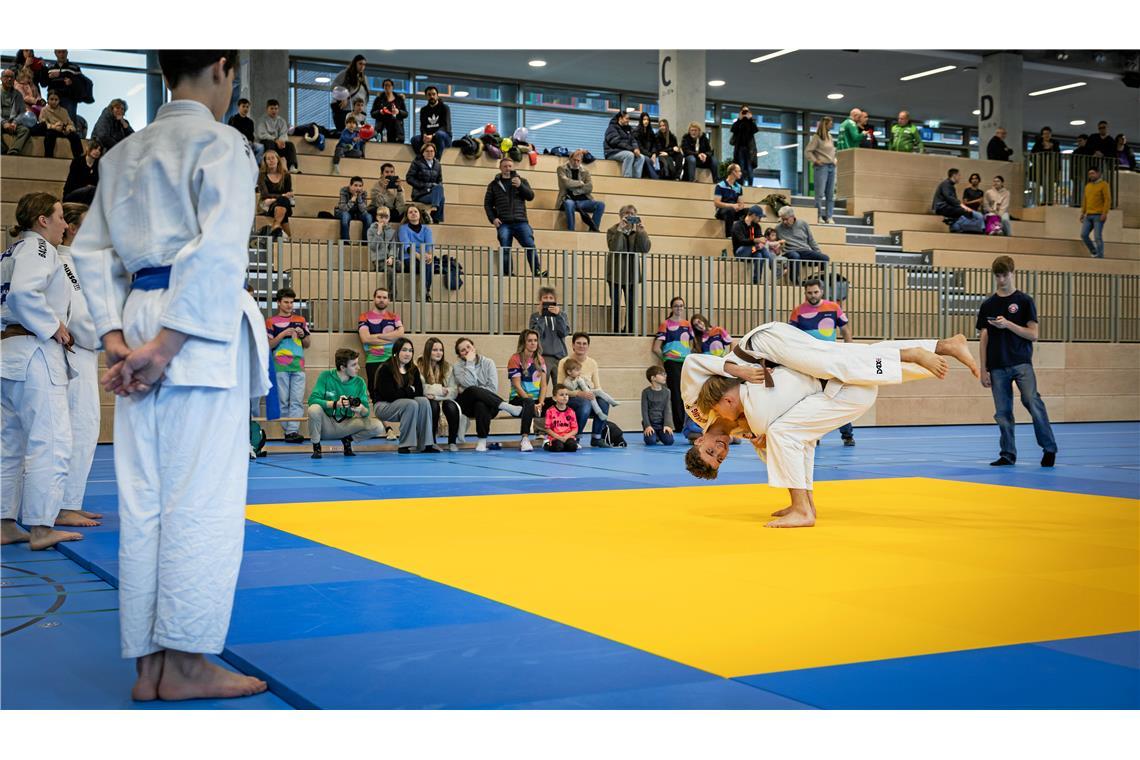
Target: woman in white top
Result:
[441, 392]
[821, 152]
[995, 202]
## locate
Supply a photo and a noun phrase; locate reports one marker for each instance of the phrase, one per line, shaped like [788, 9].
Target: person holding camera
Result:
[505, 205]
[627, 241]
[399, 394]
[389, 191]
[552, 328]
[338, 405]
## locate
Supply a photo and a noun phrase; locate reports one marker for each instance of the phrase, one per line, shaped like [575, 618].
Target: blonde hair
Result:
[713, 391]
[824, 132]
[695, 124]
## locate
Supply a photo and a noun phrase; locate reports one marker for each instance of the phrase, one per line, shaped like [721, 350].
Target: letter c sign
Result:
[987, 107]
[665, 81]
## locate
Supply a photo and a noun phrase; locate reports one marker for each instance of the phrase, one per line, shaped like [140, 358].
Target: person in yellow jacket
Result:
[1094, 212]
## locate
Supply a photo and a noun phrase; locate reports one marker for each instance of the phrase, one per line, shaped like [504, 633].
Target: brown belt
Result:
[12, 331]
[766, 364]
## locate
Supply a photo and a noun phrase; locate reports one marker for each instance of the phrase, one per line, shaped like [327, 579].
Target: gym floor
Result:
[611, 579]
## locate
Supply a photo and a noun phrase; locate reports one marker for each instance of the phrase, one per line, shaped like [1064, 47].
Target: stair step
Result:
[899, 257]
[852, 220]
[889, 248]
[860, 239]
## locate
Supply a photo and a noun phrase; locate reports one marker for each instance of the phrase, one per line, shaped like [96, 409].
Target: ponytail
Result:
[29, 209]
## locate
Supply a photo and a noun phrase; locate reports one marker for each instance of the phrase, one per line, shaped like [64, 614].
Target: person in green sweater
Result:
[339, 405]
[904, 135]
[850, 135]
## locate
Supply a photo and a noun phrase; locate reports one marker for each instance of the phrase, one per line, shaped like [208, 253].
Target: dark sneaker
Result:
[849, 441]
[494, 446]
[1001, 462]
[317, 451]
[347, 443]
[1048, 458]
[404, 450]
[294, 438]
[430, 450]
[600, 443]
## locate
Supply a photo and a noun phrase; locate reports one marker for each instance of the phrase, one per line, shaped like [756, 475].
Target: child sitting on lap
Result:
[575, 382]
[561, 423]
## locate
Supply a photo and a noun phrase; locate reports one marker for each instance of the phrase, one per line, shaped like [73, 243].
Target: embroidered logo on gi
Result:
[878, 366]
[695, 413]
[71, 276]
[1012, 309]
[42, 248]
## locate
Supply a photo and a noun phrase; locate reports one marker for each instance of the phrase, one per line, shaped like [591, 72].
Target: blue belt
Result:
[151, 278]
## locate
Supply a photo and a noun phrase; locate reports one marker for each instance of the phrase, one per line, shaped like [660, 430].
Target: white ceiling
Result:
[801, 80]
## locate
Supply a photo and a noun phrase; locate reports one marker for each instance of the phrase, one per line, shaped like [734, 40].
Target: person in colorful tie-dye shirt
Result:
[708, 338]
[289, 336]
[673, 343]
[378, 329]
[526, 372]
[824, 320]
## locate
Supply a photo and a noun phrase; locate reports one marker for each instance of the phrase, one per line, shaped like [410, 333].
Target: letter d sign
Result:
[987, 107]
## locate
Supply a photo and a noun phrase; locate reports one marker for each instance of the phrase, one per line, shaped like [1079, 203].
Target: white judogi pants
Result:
[792, 436]
[83, 403]
[36, 432]
[185, 452]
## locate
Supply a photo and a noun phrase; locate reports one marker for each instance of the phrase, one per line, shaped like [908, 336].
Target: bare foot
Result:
[75, 518]
[149, 669]
[192, 676]
[11, 533]
[959, 349]
[782, 512]
[932, 363]
[793, 520]
[44, 537]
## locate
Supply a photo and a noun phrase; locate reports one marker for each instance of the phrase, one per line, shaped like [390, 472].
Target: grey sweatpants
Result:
[414, 416]
[322, 426]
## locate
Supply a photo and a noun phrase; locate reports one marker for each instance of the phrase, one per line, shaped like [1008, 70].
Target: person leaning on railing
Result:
[628, 242]
[1046, 165]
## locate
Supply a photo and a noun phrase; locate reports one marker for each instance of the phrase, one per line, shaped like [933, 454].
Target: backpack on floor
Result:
[451, 271]
[613, 435]
[257, 438]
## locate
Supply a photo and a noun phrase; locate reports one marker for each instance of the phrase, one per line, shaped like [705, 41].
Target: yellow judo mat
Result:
[895, 567]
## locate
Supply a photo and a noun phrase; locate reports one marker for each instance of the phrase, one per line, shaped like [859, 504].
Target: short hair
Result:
[654, 371]
[575, 336]
[425, 146]
[286, 293]
[431, 87]
[695, 124]
[627, 207]
[343, 356]
[350, 119]
[354, 180]
[1049, 129]
[387, 165]
[713, 391]
[813, 282]
[1102, 121]
[118, 102]
[698, 467]
[378, 290]
[951, 173]
[571, 364]
[578, 154]
[1002, 265]
[177, 65]
[243, 102]
[998, 176]
[386, 81]
[358, 100]
[560, 387]
[1082, 136]
[786, 211]
[546, 290]
[271, 102]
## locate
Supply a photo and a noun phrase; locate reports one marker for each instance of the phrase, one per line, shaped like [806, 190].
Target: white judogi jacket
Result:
[174, 195]
[35, 293]
[762, 405]
[81, 326]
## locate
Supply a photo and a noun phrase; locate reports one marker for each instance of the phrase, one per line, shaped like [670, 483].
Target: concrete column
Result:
[681, 88]
[1000, 97]
[268, 77]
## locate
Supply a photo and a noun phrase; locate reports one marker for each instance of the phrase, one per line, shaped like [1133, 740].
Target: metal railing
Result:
[481, 290]
[1058, 179]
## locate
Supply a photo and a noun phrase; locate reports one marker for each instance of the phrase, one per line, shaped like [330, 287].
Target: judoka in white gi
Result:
[163, 255]
[35, 300]
[83, 390]
[786, 418]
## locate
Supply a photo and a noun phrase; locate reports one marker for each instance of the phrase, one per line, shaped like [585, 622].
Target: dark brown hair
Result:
[29, 209]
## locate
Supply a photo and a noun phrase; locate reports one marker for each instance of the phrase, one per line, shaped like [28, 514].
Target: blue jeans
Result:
[584, 410]
[807, 255]
[1093, 222]
[758, 256]
[651, 166]
[433, 197]
[825, 190]
[583, 207]
[631, 165]
[439, 138]
[291, 391]
[348, 216]
[742, 154]
[1001, 385]
[521, 232]
[404, 264]
[659, 436]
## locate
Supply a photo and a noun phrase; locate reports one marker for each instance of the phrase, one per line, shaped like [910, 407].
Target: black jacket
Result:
[81, 175]
[109, 131]
[743, 132]
[1106, 145]
[506, 202]
[664, 143]
[387, 390]
[422, 177]
[691, 147]
[645, 140]
[997, 150]
[618, 138]
[401, 109]
[242, 124]
[946, 196]
[741, 237]
[435, 118]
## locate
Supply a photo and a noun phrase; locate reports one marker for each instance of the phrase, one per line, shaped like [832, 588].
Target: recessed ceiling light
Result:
[835, 96]
[1057, 89]
[716, 83]
[322, 80]
[976, 112]
[931, 72]
[1067, 152]
[761, 153]
[460, 93]
[593, 94]
[538, 63]
[1076, 122]
[421, 76]
[770, 56]
[973, 142]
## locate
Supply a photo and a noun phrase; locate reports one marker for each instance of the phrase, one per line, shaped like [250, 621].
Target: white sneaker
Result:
[481, 445]
[336, 169]
[453, 447]
[615, 402]
[511, 409]
[525, 445]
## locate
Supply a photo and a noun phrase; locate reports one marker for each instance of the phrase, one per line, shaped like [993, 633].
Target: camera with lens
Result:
[353, 401]
[633, 219]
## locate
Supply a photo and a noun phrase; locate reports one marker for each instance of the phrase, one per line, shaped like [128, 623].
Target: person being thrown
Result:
[780, 407]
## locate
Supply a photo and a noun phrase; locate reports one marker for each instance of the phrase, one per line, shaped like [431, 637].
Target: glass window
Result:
[568, 130]
[577, 100]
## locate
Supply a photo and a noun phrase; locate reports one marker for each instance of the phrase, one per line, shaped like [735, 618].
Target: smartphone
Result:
[514, 174]
[393, 182]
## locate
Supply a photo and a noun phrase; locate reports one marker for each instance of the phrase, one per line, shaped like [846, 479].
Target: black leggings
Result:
[482, 406]
[51, 135]
[570, 444]
[673, 382]
[451, 411]
[529, 412]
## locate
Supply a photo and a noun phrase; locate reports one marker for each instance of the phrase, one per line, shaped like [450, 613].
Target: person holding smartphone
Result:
[505, 205]
[552, 328]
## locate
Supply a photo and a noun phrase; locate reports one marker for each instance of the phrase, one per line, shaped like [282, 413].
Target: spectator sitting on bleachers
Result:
[383, 240]
[656, 409]
[528, 376]
[798, 242]
[1102, 143]
[355, 82]
[416, 242]
[353, 204]
[332, 413]
[947, 205]
[388, 192]
[575, 193]
[773, 243]
[273, 132]
[11, 108]
[242, 123]
[748, 241]
[435, 122]
[697, 152]
[850, 133]
[995, 201]
[399, 394]
[83, 175]
[389, 111]
[275, 193]
[904, 135]
[727, 199]
[572, 378]
[477, 379]
[112, 126]
[627, 241]
[441, 392]
[29, 90]
[743, 141]
[668, 152]
[645, 140]
[996, 149]
[350, 144]
[54, 122]
[972, 195]
[582, 402]
[505, 205]
[64, 77]
[1124, 155]
[561, 423]
[621, 145]
[425, 175]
